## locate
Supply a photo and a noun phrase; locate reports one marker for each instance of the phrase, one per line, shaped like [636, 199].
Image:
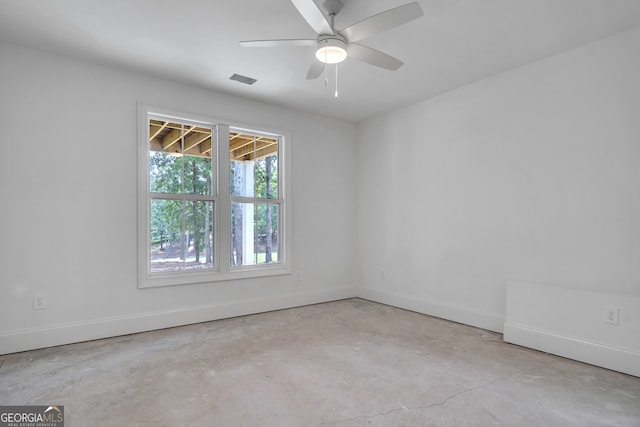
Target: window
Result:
[204, 215]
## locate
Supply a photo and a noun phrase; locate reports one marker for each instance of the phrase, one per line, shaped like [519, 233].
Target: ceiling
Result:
[455, 43]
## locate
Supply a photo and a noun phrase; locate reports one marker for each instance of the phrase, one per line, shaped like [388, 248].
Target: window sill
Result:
[157, 280]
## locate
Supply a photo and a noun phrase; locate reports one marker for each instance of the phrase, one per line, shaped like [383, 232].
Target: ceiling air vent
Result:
[243, 79]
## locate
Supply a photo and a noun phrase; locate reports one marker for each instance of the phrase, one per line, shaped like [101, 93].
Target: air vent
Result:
[243, 79]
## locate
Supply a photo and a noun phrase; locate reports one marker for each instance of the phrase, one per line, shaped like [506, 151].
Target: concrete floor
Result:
[345, 363]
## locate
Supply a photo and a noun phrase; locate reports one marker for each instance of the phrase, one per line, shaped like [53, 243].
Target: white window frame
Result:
[222, 270]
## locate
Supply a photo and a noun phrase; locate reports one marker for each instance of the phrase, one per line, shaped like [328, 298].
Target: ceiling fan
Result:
[333, 46]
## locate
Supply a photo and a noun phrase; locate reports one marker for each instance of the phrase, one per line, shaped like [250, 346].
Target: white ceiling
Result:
[455, 43]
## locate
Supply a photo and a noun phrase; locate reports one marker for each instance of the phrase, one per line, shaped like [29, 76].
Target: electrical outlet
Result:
[298, 276]
[611, 315]
[39, 302]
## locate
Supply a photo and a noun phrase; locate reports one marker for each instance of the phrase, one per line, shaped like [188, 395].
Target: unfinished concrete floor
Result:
[344, 363]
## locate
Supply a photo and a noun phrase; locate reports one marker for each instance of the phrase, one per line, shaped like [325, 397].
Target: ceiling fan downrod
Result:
[333, 7]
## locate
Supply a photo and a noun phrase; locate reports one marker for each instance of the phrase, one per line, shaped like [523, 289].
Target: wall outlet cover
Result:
[39, 301]
[611, 314]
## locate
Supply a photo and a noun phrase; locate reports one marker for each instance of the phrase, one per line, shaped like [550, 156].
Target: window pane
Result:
[165, 136]
[267, 177]
[253, 166]
[198, 235]
[241, 178]
[181, 235]
[197, 175]
[166, 235]
[242, 252]
[197, 161]
[254, 233]
[165, 171]
[267, 241]
[165, 163]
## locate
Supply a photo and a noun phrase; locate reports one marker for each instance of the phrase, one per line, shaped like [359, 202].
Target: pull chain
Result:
[326, 68]
[336, 94]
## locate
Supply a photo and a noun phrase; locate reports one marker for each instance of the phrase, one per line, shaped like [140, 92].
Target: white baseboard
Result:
[607, 356]
[54, 335]
[618, 359]
[468, 316]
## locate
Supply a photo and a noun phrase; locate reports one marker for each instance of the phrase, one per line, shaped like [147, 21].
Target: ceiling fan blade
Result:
[314, 16]
[373, 57]
[315, 70]
[279, 43]
[382, 22]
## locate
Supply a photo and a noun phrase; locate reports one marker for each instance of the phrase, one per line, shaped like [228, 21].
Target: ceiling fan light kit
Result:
[332, 46]
[331, 49]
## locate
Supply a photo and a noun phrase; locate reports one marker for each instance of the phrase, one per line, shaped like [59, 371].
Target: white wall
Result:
[68, 204]
[532, 175]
